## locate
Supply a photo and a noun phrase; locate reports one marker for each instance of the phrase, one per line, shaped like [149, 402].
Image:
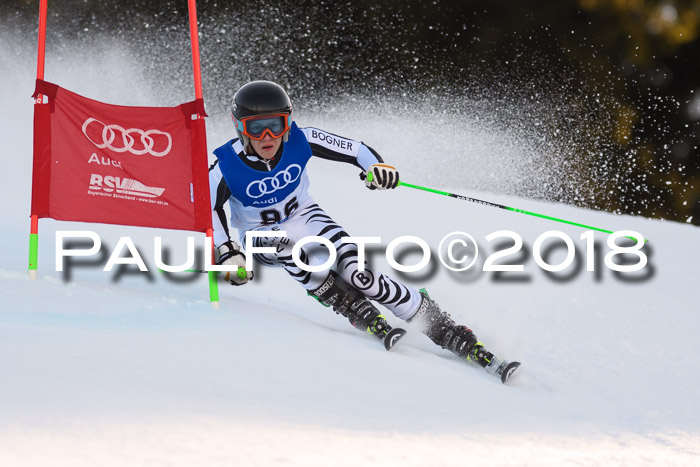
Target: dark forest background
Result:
[631, 66]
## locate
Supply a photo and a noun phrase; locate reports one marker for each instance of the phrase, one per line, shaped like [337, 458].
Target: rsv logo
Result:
[119, 139]
[269, 185]
[126, 186]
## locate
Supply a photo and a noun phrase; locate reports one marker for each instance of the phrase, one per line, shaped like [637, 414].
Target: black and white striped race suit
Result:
[273, 195]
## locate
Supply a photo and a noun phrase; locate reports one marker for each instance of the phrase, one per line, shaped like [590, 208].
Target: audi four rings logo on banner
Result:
[268, 185]
[118, 139]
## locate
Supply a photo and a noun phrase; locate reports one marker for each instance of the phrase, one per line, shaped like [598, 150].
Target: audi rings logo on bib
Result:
[119, 139]
[269, 185]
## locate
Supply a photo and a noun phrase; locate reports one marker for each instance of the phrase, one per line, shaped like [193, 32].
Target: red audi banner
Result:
[141, 166]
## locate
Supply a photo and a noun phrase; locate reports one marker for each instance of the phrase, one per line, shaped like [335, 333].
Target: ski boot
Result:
[492, 364]
[351, 303]
[458, 339]
[441, 328]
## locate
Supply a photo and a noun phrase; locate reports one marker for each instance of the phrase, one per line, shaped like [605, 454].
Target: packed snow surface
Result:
[125, 368]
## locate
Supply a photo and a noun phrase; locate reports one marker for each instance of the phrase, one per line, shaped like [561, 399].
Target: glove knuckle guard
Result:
[384, 177]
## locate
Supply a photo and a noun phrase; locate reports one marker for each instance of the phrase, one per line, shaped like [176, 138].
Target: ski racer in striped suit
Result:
[262, 175]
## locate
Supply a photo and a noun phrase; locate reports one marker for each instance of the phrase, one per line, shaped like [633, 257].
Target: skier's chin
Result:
[267, 153]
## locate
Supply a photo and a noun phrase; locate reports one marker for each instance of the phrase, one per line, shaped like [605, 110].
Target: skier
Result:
[262, 175]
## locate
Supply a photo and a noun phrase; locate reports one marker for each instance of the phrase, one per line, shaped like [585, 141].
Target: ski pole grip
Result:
[366, 176]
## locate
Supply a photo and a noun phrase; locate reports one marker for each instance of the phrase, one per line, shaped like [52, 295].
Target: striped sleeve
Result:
[337, 148]
[219, 193]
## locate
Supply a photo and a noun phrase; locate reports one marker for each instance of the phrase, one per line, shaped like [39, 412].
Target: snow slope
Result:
[139, 369]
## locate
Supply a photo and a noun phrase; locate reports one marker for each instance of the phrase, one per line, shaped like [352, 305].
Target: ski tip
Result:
[508, 371]
[392, 337]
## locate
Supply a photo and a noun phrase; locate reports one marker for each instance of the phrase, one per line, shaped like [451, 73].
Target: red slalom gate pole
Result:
[197, 71]
[43, 6]
[41, 56]
[194, 38]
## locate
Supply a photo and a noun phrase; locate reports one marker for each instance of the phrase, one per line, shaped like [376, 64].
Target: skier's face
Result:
[266, 147]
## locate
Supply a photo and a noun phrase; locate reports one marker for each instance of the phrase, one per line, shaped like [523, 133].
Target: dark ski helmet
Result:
[259, 98]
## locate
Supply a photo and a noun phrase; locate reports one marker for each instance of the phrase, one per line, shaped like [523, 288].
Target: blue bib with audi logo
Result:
[255, 188]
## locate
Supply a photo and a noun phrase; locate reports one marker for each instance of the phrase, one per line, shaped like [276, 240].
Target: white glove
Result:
[381, 177]
[230, 255]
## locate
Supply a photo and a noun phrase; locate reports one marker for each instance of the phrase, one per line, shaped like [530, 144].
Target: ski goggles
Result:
[260, 125]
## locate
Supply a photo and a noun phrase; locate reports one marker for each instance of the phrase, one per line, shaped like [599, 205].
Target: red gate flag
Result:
[141, 166]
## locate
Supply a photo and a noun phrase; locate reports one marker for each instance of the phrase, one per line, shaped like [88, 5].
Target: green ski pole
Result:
[500, 206]
[241, 273]
[495, 205]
